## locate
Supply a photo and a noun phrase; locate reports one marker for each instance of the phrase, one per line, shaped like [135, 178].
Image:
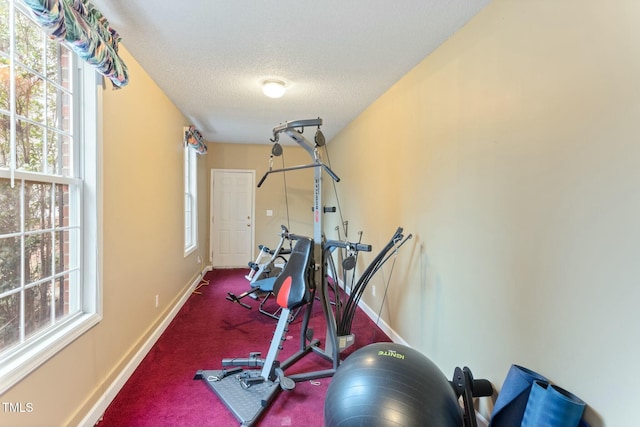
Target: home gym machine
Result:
[333, 344]
[247, 393]
[305, 277]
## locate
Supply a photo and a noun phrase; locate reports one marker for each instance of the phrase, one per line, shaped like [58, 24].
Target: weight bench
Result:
[247, 393]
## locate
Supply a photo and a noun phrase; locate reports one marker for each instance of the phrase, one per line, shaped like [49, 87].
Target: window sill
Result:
[15, 369]
[188, 251]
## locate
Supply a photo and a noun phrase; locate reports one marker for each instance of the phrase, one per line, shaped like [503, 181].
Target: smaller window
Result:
[190, 200]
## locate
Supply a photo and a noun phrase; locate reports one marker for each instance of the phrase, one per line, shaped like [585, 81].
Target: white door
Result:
[232, 224]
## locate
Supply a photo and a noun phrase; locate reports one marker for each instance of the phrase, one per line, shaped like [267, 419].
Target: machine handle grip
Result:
[362, 247]
[463, 379]
[263, 178]
[330, 244]
[482, 388]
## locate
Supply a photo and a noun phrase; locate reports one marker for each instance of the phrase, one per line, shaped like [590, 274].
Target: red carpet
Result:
[162, 391]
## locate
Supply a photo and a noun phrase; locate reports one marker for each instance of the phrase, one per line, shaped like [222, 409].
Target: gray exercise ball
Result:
[388, 384]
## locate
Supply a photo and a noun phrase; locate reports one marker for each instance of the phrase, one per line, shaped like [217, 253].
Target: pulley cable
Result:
[335, 192]
[286, 194]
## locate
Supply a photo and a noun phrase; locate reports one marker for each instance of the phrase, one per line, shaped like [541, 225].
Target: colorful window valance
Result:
[86, 31]
[193, 138]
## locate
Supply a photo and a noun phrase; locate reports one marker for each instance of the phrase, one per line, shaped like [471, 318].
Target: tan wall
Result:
[271, 194]
[142, 253]
[512, 154]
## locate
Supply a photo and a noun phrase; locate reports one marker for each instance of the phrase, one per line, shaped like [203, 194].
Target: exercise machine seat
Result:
[292, 288]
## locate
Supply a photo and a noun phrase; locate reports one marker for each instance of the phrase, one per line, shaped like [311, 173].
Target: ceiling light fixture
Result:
[273, 88]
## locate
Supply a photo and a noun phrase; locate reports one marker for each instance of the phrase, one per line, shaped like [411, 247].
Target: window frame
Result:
[190, 199]
[27, 356]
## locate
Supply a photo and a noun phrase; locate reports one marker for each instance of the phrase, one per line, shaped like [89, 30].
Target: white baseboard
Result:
[99, 408]
[384, 326]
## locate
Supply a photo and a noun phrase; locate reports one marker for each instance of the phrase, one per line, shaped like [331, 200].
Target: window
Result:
[48, 196]
[190, 200]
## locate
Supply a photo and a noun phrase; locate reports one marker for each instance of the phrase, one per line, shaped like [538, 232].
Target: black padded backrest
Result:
[291, 288]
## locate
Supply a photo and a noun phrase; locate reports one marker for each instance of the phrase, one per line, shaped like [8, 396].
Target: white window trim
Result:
[191, 179]
[50, 342]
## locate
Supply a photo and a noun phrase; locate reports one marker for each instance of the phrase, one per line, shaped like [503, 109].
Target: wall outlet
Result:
[199, 260]
[269, 212]
[157, 301]
[373, 290]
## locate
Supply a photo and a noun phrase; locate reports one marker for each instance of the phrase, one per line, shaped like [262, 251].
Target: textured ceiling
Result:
[336, 56]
